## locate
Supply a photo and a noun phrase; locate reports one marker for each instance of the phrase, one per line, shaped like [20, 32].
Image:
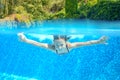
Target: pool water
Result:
[22, 61]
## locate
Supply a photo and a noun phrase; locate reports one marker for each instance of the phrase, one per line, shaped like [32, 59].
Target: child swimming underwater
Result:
[60, 43]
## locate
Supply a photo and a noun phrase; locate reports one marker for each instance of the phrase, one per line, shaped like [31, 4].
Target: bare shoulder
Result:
[69, 45]
[51, 47]
[72, 45]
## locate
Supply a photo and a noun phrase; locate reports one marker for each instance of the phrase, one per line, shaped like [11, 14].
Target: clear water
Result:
[22, 61]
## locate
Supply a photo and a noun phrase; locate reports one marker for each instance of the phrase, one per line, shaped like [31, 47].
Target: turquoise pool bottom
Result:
[4, 76]
[96, 62]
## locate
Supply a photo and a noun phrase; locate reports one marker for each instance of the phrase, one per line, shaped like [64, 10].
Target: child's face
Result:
[60, 44]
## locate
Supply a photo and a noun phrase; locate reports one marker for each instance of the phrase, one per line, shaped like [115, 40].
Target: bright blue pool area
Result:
[22, 61]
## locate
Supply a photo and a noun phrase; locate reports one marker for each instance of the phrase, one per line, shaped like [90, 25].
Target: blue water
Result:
[22, 61]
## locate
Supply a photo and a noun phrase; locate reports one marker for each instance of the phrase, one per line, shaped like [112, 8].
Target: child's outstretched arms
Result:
[102, 40]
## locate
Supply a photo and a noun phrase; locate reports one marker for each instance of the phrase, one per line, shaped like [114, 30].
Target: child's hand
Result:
[103, 39]
[22, 36]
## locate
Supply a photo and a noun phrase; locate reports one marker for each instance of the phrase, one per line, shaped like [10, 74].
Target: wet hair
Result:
[65, 37]
[61, 37]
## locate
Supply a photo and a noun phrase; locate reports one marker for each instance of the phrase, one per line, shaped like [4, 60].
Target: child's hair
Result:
[65, 37]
